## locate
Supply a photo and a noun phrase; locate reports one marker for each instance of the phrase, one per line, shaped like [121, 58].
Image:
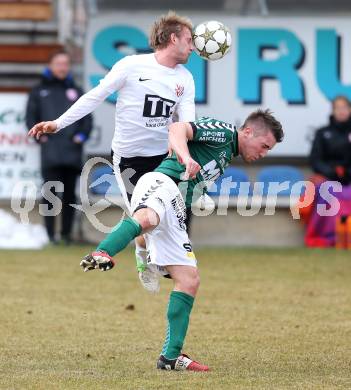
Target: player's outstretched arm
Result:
[179, 134]
[42, 128]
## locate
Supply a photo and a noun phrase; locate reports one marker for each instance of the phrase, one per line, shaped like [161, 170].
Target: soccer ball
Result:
[212, 40]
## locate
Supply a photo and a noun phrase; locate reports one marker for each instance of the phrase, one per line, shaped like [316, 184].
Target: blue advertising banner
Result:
[294, 66]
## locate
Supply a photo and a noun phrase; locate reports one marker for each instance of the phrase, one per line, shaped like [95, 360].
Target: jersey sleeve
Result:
[186, 107]
[212, 131]
[116, 77]
[113, 81]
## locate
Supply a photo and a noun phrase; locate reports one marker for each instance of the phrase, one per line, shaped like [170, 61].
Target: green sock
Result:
[179, 309]
[120, 236]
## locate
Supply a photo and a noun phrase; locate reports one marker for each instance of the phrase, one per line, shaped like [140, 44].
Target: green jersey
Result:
[213, 146]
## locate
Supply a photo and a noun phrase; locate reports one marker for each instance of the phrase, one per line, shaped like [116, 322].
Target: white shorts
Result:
[168, 243]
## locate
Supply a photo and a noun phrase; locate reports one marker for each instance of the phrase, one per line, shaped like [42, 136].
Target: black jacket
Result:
[332, 147]
[47, 101]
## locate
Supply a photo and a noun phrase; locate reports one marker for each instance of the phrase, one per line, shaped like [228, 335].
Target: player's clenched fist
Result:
[42, 128]
[191, 168]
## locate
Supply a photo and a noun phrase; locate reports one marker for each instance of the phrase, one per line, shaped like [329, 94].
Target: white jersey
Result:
[149, 95]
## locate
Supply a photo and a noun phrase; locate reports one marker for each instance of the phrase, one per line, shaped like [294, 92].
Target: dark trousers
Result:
[140, 166]
[68, 177]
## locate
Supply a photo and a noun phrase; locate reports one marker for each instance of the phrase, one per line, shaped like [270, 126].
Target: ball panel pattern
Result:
[212, 40]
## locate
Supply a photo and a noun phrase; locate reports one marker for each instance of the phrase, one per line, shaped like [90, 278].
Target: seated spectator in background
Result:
[331, 160]
[61, 153]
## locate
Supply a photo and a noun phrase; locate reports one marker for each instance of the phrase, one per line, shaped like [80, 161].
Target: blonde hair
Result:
[162, 29]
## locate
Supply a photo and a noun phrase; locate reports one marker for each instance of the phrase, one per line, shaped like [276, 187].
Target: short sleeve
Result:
[186, 107]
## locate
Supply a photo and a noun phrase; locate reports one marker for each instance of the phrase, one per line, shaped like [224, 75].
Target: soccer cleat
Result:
[183, 362]
[141, 259]
[150, 279]
[97, 260]
[148, 276]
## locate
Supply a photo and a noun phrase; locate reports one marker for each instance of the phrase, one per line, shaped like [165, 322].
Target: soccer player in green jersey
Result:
[201, 151]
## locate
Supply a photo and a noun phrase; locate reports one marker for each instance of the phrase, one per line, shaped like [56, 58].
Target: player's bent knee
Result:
[196, 282]
[189, 284]
[147, 218]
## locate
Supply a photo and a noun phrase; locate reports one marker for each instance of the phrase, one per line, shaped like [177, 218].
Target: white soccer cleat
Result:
[150, 278]
[141, 259]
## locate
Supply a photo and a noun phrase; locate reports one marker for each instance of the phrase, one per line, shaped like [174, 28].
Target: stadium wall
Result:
[292, 65]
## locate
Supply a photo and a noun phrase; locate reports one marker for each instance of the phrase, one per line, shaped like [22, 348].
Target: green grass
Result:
[263, 319]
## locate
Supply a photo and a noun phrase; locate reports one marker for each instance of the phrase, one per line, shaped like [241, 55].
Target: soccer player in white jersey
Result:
[202, 150]
[151, 89]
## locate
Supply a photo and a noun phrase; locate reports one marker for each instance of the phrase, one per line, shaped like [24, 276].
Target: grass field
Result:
[263, 319]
